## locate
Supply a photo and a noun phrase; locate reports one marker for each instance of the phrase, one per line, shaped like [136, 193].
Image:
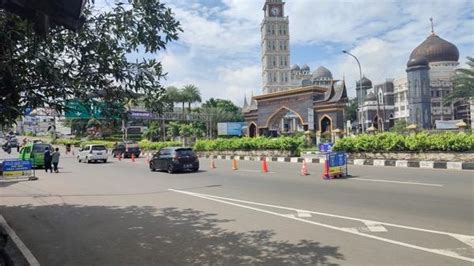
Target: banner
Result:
[14, 169]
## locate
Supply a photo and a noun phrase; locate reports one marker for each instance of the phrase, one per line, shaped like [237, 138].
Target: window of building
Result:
[402, 108]
[436, 104]
[273, 29]
[437, 94]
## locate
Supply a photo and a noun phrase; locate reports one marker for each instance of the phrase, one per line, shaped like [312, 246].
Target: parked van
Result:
[35, 152]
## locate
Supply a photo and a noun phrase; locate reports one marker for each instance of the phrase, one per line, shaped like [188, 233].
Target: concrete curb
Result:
[370, 162]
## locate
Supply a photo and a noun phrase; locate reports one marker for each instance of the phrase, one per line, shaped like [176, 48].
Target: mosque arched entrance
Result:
[285, 122]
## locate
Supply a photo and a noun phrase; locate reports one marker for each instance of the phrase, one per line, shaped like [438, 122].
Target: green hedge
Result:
[144, 144]
[393, 142]
[246, 144]
[148, 145]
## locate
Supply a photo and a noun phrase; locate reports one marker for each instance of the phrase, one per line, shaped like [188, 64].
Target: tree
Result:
[400, 127]
[44, 72]
[152, 132]
[190, 94]
[352, 110]
[225, 105]
[172, 96]
[463, 84]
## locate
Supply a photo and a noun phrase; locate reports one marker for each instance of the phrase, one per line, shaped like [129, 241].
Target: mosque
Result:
[293, 99]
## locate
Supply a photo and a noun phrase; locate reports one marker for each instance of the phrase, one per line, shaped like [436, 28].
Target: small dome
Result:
[365, 82]
[305, 67]
[422, 61]
[370, 97]
[436, 49]
[322, 73]
[295, 67]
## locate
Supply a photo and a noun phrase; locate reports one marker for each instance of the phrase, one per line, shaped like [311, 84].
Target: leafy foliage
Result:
[94, 62]
[247, 144]
[393, 142]
[463, 83]
[148, 145]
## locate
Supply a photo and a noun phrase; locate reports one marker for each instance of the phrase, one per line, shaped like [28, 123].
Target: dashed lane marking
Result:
[395, 182]
[233, 202]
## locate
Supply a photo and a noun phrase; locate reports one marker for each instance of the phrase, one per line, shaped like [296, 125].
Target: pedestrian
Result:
[47, 160]
[55, 159]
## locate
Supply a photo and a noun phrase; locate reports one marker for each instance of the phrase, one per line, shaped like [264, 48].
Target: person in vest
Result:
[47, 160]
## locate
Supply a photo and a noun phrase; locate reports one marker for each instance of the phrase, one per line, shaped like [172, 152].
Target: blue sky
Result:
[219, 50]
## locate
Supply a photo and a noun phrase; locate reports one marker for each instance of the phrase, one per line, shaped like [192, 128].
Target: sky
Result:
[219, 48]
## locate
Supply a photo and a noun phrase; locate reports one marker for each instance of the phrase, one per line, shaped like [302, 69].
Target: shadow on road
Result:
[97, 235]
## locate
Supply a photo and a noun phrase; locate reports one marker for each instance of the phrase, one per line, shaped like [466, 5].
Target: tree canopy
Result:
[101, 59]
[463, 83]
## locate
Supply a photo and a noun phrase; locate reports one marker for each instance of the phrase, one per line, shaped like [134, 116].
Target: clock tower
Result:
[275, 45]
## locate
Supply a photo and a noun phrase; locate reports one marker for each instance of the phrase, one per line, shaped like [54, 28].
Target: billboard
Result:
[230, 128]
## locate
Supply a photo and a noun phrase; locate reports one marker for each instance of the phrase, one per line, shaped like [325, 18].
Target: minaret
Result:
[275, 47]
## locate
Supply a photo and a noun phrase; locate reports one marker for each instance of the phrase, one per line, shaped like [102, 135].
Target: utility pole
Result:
[360, 88]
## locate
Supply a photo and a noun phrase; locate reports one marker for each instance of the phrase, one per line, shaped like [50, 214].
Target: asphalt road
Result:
[120, 213]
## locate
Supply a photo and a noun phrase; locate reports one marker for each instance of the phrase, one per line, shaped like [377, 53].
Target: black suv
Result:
[126, 149]
[173, 159]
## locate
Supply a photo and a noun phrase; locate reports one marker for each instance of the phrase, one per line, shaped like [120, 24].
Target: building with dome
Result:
[430, 70]
[293, 99]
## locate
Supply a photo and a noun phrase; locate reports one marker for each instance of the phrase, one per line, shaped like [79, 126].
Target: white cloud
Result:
[221, 41]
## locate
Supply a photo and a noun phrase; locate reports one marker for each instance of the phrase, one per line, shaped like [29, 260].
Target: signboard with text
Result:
[325, 147]
[13, 169]
[230, 128]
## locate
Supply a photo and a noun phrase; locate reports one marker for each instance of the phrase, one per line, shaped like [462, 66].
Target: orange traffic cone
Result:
[133, 157]
[234, 164]
[147, 158]
[326, 174]
[304, 169]
[264, 165]
[119, 156]
[213, 164]
[72, 152]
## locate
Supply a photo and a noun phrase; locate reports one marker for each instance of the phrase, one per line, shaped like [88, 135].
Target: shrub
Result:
[148, 145]
[247, 144]
[393, 142]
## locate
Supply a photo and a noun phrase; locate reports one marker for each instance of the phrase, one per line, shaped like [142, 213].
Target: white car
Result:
[93, 153]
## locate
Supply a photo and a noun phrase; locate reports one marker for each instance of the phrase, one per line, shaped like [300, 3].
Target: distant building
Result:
[293, 99]
[401, 111]
[419, 96]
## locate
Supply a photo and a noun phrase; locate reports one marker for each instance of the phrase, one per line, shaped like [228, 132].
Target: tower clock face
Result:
[275, 11]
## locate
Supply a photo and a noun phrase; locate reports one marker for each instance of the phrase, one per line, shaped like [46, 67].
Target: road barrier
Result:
[304, 169]
[264, 165]
[17, 169]
[335, 165]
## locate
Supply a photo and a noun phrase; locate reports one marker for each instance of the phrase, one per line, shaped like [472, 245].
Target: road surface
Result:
[120, 213]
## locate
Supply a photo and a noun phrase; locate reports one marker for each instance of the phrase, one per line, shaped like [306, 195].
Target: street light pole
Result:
[360, 86]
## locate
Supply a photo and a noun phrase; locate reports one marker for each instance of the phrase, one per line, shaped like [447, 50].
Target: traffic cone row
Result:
[264, 165]
[326, 174]
[304, 169]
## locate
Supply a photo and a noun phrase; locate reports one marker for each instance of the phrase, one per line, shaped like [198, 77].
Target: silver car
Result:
[93, 153]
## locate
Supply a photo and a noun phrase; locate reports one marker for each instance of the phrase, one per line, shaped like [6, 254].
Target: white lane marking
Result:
[375, 227]
[302, 214]
[21, 246]
[463, 238]
[434, 251]
[253, 171]
[396, 182]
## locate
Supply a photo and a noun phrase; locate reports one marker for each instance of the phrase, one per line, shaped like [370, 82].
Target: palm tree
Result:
[173, 95]
[463, 83]
[191, 94]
